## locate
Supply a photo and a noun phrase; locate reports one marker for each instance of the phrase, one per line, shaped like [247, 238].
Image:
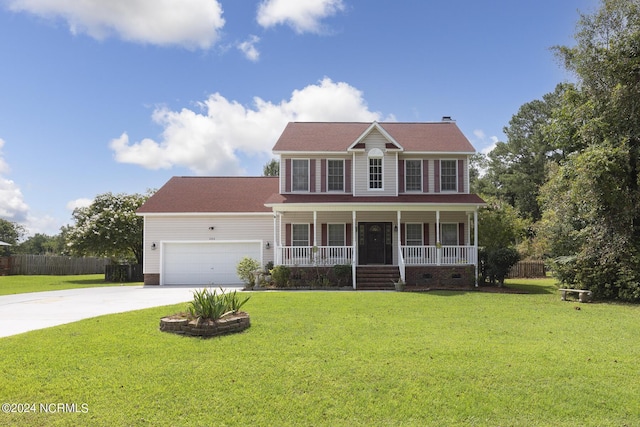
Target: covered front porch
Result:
[411, 238]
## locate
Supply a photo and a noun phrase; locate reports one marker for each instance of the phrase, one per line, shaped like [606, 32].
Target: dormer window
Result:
[375, 169]
[300, 174]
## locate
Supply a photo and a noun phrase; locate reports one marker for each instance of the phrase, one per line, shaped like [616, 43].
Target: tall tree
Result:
[516, 168]
[271, 168]
[39, 244]
[109, 227]
[10, 232]
[599, 181]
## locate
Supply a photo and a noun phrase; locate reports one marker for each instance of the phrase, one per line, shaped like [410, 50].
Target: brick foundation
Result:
[462, 276]
[151, 279]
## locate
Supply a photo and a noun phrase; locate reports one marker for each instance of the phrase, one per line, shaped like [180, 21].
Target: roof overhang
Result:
[374, 207]
[207, 214]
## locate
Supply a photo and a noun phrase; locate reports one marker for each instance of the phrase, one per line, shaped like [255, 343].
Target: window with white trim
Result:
[300, 175]
[449, 234]
[448, 175]
[413, 175]
[375, 173]
[336, 234]
[413, 234]
[300, 234]
[335, 175]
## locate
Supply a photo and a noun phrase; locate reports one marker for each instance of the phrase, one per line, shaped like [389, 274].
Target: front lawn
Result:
[341, 359]
[23, 284]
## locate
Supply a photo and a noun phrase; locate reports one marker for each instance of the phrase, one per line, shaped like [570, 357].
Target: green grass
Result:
[342, 359]
[22, 284]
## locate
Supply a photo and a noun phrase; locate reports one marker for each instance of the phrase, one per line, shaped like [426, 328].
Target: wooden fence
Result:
[527, 269]
[55, 265]
[123, 273]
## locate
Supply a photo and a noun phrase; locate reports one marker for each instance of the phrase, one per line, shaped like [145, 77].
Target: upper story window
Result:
[300, 175]
[375, 173]
[335, 175]
[448, 175]
[413, 175]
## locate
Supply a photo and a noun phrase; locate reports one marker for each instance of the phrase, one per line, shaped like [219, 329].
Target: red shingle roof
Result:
[438, 137]
[212, 194]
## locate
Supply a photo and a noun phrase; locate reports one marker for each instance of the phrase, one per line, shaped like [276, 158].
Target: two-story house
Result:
[388, 199]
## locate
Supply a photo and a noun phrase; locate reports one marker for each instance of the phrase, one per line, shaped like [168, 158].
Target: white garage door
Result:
[205, 263]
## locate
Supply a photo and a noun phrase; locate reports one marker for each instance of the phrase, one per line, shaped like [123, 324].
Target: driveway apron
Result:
[27, 312]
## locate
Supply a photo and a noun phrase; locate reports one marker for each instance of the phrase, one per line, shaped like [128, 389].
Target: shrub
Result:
[280, 275]
[342, 273]
[212, 306]
[245, 269]
[268, 267]
[496, 263]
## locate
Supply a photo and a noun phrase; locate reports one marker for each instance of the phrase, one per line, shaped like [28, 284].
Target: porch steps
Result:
[377, 277]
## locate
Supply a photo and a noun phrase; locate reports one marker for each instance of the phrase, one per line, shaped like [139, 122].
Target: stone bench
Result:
[583, 294]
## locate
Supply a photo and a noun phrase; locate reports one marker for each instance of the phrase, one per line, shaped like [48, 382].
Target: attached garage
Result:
[205, 263]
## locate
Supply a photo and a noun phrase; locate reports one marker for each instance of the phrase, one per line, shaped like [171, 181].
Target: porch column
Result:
[438, 244]
[475, 240]
[354, 250]
[399, 232]
[280, 254]
[401, 264]
[315, 228]
[276, 247]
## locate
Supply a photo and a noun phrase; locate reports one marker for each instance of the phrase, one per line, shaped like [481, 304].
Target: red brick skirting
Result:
[454, 276]
[151, 279]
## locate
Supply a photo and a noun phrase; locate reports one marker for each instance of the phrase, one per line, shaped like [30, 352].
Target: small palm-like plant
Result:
[212, 306]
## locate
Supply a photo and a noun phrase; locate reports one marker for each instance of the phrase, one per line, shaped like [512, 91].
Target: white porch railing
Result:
[312, 256]
[445, 255]
[410, 255]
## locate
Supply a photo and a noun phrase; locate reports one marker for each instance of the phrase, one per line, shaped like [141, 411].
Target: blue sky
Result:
[121, 95]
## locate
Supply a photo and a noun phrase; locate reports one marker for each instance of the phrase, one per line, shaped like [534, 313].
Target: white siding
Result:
[361, 168]
[195, 228]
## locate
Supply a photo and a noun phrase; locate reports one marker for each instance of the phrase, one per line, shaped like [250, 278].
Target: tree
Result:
[500, 229]
[599, 177]
[10, 232]
[271, 168]
[40, 244]
[499, 225]
[109, 227]
[516, 168]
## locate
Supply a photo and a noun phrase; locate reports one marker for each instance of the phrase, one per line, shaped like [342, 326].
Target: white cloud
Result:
[302, 16]
[191, 23]
[12, 205]
[210, 141]
[483, 143]
[79, 203]
[249, 49]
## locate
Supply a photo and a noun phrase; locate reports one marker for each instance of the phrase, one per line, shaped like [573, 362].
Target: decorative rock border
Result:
[228, 324]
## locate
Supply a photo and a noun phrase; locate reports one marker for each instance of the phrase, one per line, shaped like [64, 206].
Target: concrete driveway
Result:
[27, 312]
